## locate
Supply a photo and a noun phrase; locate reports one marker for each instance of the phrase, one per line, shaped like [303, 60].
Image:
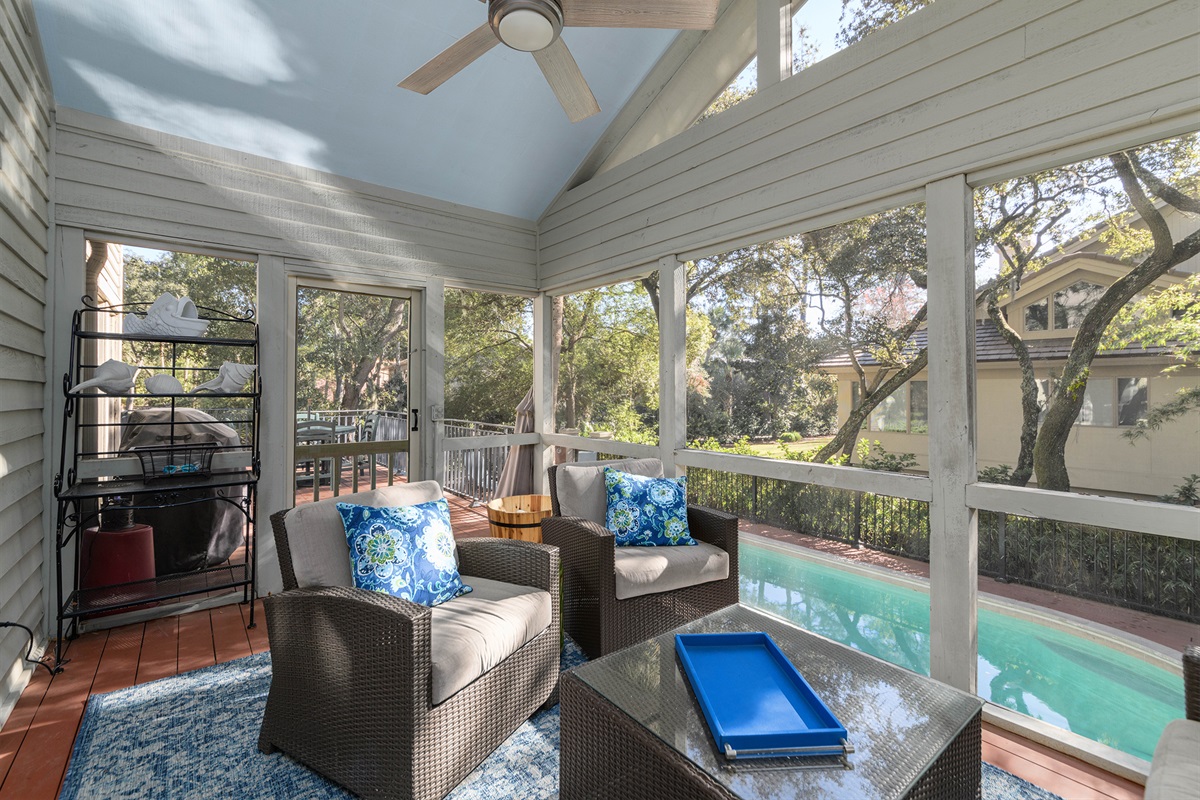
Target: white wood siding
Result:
[24, 222]
[124, 179]
[982, 87]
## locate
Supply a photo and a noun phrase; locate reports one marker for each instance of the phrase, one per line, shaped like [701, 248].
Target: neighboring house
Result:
[1123, 385]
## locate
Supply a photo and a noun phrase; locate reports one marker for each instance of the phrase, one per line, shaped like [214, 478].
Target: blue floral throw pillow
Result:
[407, 551]
[650, 512]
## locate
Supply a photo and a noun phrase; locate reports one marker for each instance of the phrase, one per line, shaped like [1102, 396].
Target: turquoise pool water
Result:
[1045, 672]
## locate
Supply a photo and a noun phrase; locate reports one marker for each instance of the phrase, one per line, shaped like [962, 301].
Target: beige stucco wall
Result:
[1099, 459]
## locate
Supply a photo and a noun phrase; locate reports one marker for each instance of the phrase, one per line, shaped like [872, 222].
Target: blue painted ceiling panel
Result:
[314, 83]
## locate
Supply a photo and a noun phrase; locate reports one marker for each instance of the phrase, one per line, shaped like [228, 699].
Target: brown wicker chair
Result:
[352, 674]
[592, 614]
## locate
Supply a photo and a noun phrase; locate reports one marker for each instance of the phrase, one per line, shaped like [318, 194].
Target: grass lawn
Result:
[775, 449]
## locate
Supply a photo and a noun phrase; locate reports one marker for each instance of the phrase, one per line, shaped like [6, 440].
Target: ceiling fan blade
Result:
[676, 14]
[564, 77]
[446, 64]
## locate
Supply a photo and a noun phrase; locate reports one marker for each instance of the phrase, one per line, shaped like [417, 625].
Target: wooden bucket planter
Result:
[519, 516]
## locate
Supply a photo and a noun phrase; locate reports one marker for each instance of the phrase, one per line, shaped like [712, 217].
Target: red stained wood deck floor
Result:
[36, 741]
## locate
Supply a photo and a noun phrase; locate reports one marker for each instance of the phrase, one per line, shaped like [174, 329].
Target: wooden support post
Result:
[774, 42]
[953, 525]
[543, 388]
[433, 385]
[672, 361]
[277, 426]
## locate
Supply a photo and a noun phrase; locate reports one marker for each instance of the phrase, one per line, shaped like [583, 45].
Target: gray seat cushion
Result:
[647, 570]
[317, 538]
[474, 632]
[580, 487]
[1175, 770]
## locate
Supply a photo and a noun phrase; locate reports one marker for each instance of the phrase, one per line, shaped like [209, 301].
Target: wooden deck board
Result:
[195, 649]
[20, 719]
[41, 762]
[229, 634]
[119, 662]
[258, 634]
[160, 650]
[1064, 775]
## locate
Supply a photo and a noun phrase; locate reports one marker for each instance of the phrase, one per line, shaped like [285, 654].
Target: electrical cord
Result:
[29, 651]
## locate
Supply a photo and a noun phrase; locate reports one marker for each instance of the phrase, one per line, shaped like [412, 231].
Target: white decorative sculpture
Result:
[168, 316]
[111, 377]
[163, 383]
[231, 377]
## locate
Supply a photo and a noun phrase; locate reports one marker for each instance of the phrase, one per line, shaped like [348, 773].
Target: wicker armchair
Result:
[355, 673]
[593, 614]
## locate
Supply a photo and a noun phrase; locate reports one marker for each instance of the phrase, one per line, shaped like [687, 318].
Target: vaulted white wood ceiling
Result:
[313, 83]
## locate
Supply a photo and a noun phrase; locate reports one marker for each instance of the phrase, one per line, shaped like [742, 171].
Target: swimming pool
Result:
[1043, 670]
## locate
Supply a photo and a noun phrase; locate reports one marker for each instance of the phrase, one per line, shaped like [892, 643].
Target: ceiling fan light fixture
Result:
[528, 25]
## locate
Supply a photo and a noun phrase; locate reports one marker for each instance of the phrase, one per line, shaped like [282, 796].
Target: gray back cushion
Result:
[317, 537]
[580, 487]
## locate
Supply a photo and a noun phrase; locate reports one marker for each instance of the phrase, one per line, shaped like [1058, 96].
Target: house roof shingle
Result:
[991, 347]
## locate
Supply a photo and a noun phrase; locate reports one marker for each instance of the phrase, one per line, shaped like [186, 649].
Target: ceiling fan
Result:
[534, 26]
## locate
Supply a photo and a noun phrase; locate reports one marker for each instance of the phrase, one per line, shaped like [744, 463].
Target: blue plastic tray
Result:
[755, 701]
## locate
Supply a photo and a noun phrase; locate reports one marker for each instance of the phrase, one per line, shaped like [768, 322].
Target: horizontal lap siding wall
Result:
[24, 213]
[962, 86]
[120, 178]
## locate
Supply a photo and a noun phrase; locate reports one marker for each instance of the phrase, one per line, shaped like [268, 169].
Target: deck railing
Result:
[474, 474]
[1156, 574]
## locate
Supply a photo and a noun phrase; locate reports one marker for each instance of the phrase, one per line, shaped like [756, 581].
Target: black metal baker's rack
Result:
[92, 479]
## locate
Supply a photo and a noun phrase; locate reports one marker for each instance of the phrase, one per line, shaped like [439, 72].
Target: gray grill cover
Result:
[196, 535]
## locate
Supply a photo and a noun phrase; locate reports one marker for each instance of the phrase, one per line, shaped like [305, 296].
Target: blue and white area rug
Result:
[195, 736]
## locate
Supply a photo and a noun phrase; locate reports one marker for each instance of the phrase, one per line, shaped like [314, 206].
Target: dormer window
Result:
[1071, 305]
[1036, 318]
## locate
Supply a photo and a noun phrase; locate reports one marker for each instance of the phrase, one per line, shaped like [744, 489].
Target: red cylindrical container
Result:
[118, 556]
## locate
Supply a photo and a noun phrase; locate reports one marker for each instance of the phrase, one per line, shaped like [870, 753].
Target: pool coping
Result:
[1101, 755]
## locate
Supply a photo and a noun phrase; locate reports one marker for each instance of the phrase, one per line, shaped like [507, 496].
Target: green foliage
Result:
[214, 284]
[740, 447]
[877, 458]
[1185, 494]
[608, 367]
[351, 351]
[221, 284]
[727, 99]
[489, 355]
[860, 18]
[997, 474]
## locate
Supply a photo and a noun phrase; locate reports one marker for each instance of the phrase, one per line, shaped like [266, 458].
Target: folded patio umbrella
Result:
[517, 475]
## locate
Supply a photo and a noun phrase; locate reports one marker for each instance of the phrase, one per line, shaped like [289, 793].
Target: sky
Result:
[820, 19]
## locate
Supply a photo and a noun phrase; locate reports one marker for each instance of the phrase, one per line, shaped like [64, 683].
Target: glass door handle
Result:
[416, 420]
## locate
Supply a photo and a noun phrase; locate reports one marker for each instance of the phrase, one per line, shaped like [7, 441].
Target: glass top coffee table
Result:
[631, 726]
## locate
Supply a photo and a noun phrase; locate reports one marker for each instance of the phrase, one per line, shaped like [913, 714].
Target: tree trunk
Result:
[650, 284]
[1050, 452]
[1029, 404]
[556, 346]
[847, 435]
[569, 411]
[397, 323]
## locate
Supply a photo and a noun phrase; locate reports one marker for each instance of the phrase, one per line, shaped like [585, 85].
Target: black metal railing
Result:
[891, 524]
[1156, 574]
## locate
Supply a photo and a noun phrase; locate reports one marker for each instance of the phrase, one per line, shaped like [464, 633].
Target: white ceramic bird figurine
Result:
[168, 316]
[231, 377]
[111, 377]
[163, 383]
